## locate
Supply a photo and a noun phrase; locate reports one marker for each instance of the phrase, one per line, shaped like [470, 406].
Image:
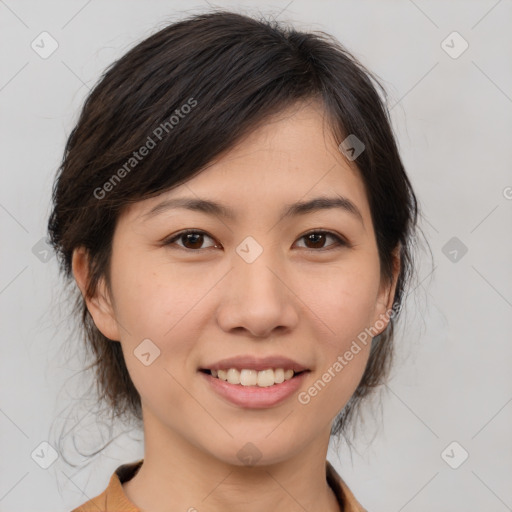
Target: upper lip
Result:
[256, 363]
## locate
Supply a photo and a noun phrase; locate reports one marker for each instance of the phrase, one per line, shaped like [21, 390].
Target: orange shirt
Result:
[113, 498]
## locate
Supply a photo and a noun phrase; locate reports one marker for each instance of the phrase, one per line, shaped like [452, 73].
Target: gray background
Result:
[453, 119]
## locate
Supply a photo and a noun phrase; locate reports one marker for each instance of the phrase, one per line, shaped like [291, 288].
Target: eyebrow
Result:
[289, 210]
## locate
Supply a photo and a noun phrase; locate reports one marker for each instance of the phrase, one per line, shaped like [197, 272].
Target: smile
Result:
[249, 377]
[252, 394]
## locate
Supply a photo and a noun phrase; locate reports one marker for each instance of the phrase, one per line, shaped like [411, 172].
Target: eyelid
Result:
[340, 241]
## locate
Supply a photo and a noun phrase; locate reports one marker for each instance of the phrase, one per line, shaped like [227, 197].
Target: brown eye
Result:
[316, 240]
[191, 240]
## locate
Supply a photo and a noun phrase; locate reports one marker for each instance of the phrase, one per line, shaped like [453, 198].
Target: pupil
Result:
[314, 235]
[190, 238]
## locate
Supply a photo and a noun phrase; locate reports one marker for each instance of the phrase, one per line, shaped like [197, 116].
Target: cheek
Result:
[146, 303]
[343, 299]
[150, 309]
[153, 303]
[343, 303]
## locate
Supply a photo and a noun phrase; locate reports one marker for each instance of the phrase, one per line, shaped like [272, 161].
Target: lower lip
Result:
[255, 397]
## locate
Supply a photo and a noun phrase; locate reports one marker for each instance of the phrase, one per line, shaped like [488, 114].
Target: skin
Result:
[307, 300]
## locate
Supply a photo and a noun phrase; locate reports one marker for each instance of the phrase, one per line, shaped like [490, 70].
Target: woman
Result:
[234, 210]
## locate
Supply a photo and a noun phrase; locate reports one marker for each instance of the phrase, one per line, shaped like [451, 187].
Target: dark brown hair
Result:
[234, 72]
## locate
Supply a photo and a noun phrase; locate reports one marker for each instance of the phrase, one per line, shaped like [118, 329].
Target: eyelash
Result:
[340, 242]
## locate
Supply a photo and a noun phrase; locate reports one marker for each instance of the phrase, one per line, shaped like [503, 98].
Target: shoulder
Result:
[96, 504]
[113, 497]
[346, 498]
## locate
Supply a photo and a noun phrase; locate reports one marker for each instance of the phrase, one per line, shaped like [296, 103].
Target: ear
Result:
[387, 293]
[100, 304]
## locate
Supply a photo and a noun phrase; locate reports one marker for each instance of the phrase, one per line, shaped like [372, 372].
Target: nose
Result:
[257, 298]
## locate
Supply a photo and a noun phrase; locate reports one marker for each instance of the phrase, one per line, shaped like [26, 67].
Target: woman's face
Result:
[254, 284]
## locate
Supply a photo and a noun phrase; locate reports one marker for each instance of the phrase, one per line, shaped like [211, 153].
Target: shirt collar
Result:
[116, 499]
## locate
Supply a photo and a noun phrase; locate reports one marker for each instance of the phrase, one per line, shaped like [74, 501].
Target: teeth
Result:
[233, 377]
[279, 375]
[263, 378]
[266, 378]
[247, 377]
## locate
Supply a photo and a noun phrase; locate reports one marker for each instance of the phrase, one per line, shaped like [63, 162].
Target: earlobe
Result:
[100, 304]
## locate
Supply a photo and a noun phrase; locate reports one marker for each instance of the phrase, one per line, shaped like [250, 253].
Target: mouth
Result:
[253, 378]
[250, 388]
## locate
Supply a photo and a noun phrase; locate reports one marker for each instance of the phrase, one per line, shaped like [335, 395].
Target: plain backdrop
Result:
[441, 439]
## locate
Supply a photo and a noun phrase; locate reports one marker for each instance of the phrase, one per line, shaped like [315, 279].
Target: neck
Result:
[182, 476]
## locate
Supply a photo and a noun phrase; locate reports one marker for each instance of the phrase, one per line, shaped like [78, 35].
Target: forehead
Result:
[292, 157]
